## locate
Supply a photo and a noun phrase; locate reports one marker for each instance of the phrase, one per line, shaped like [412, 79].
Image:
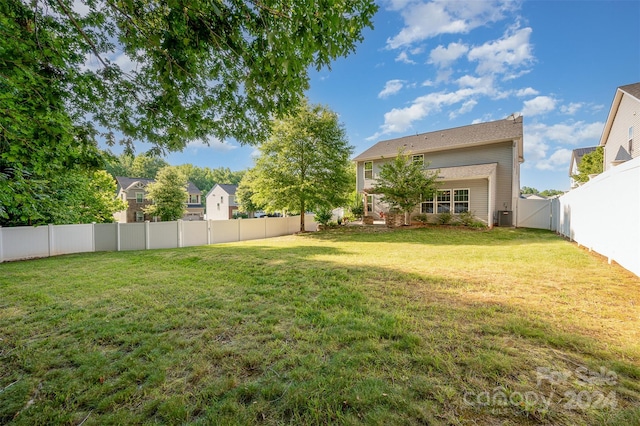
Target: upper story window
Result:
[194, 199]
[630, 147]
[139, 217]
[139, 197]
[221, 199]
[368, 169]
[418, 159]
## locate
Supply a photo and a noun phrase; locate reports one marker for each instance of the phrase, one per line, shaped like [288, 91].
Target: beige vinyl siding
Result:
[502, 153]
[628, 115]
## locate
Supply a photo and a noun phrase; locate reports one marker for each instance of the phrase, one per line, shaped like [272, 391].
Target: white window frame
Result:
[432, 206]
[139, 216]
[467, 201]
[418, 158]
[368, 173]
[139, 197]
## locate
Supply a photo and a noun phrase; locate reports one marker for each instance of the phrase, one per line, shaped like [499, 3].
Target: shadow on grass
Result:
[265, 334]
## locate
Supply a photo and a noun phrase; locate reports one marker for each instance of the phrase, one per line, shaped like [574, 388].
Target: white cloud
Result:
[503, 55]
[465, 108]
[572, 108]
[559, 160]
[401, 119]
[214, 144]
[444, 56]
[538, 105]
[403, 57]
[391, 88]
[423, 20]
[527, 92]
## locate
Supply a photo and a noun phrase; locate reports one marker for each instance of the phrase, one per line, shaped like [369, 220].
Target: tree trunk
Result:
[302, 216]
[407, 217]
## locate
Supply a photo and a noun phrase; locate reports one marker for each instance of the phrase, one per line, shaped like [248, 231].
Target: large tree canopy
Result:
[170, 72]
[304, 165]
[164, 72]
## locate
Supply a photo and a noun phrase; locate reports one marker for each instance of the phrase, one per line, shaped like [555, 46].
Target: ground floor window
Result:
[139, 216]
[447, 201]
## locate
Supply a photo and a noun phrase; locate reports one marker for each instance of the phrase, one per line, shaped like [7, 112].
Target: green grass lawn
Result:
[347, 326]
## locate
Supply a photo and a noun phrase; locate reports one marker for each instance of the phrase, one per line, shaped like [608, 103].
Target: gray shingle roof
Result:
[125, 182]
[622, 155]
[471, 135]
[632, 89]
[228, 188]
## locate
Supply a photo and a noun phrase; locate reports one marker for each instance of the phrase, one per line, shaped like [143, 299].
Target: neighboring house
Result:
[221, 202]
[576, 157]
[623, 121]
[133, 192]
[533, 197]
[479, 169]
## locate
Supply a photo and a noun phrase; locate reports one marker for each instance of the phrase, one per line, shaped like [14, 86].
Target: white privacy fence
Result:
[602, 215]
[26, 242]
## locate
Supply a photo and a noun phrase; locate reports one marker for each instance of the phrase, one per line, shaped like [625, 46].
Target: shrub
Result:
[357, 210]
[444, 218]
[466, 218]
[422, 218]
[323, 216]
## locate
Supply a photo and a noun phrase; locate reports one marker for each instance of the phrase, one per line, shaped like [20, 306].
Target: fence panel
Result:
[24, 242]
[163, 235]
[225, 231]
[275, 226]
[195, 233]
[252, 229]
[603, 215]
[67, 239]
[534, 214]
[105, 236]
[310, 224]
[132, 236]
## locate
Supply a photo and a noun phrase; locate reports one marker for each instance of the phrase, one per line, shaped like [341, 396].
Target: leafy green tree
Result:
[97, 201]
[551, 192]
[245, 195]
[305, 163]
[199, 69]
[404, 183]
[528, 190]
[590, 164]
[168, 193]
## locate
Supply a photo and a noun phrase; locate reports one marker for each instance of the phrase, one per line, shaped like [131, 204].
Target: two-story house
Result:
[133, 192]
[221, 202]
[622, 127]
[479, 169]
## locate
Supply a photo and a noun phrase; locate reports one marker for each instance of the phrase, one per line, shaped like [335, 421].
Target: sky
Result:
[433, 65]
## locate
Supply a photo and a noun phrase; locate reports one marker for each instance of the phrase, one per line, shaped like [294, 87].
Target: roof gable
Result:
[226, 187]
[465, 136]
[632, 90]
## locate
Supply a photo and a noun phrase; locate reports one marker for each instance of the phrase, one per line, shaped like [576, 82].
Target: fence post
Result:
[118, 236]
[1, 243]
[50, 226]
[208, 233]
[147, 240]
[180, 231]
[93, 237]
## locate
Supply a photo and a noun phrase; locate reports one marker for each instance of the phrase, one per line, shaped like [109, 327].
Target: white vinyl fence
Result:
[26, 242]
[602, 215]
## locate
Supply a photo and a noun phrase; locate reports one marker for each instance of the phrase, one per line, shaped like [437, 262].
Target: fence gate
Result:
[534, 213]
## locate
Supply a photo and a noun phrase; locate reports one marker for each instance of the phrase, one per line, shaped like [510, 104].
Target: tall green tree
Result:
[404, 183]
[168, 193]
[245, 194]
[305, 163]
[197, 69]
[590, 164]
